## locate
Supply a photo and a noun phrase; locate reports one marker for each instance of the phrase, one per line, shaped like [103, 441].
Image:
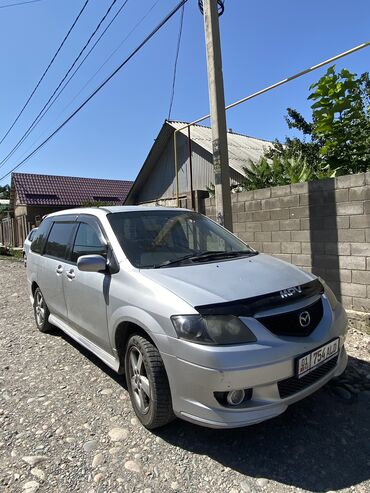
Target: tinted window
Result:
[58, 239]
[31, 235]
[39, 239]
[150, 238]
[87, 242]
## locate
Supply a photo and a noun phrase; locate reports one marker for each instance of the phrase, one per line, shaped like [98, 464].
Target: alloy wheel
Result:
[39, 308]
[139, 381]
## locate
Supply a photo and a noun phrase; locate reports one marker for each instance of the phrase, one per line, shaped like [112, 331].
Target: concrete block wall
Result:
[322, 226]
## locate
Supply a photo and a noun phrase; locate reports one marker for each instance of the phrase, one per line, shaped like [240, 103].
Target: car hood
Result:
[217, 282]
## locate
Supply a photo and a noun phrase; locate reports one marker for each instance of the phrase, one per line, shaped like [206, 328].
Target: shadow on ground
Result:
[321, 443]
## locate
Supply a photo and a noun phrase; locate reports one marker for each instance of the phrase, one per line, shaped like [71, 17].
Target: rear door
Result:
[52, 264]
[86, 293]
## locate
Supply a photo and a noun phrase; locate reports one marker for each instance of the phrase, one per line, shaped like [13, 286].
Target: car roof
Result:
[111, 209]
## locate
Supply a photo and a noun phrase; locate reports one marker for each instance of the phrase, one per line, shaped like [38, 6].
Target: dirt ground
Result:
[67, 425]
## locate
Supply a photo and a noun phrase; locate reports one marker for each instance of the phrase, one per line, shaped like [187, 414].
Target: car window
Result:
[149, 238]
[58, 239]
[87, 242]
[31, 235]
[39, 238]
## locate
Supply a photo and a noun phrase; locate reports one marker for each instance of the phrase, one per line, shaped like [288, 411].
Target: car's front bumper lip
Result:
[265, 404]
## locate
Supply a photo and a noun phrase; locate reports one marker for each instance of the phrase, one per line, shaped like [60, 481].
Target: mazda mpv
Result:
[204, 327]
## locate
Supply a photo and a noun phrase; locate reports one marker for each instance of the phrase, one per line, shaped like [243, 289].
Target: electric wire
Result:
[31, 127]
[19, 3]
[46, 70]
[56, 96]
[100, 86]
[140, 21]
[175, 64]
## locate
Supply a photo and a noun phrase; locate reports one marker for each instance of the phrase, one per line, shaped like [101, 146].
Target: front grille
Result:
[292, 385]
[288, 324]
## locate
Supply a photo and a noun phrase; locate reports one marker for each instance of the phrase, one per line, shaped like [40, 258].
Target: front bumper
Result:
[269, 361]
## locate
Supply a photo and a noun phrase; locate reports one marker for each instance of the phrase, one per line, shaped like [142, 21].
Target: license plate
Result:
[312, 360]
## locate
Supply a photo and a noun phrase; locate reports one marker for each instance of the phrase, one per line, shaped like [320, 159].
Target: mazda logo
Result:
[304, 319]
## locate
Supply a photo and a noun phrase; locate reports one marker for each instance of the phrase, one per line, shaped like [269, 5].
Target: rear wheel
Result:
[41, 311]
[147, 383]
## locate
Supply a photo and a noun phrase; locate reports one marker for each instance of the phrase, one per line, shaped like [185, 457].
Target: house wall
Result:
[322, 226]
[160, 183]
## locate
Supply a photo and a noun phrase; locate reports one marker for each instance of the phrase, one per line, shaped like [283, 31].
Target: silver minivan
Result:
[204, 327]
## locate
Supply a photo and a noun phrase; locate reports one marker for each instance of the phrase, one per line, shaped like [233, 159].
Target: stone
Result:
[147, 490]
[39, 473]
[134, 421]
[262, 482]
[33, 460]
[98, 477]
[245, 487]
[342, 393]
[31, 486]
[114, 450]
[132, 465]
[90, 445]
[117, 434]
[106, 391]
[97, 460]
[174, 485]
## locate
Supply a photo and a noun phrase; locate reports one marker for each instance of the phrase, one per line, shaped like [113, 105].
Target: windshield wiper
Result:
[207, 255]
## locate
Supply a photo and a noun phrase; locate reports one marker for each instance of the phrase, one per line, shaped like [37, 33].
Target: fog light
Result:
[235, 397]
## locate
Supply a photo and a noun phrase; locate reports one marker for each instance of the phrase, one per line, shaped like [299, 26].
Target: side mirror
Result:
[92, 263]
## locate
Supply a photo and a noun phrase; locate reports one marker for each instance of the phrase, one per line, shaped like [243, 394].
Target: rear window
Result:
[39, 238]
[58, 239]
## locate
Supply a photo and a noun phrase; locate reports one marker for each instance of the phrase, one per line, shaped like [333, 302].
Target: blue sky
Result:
[262, 41]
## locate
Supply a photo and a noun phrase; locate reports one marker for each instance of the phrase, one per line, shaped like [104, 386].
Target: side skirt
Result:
[107, 358]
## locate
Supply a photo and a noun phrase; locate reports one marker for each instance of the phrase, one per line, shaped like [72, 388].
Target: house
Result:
[156, 181]
[32, 196]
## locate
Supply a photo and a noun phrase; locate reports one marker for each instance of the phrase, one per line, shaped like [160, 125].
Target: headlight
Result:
[212, 329]
[330, 295]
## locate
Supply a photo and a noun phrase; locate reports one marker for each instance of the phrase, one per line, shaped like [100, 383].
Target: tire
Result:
[147, 383]
[41, 312]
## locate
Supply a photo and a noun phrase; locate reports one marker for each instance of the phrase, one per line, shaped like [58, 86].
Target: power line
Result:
[31, 127]
[98, 70]
[176, 60]
[53, 99]
[19, 3]
[100, 86]
[47, 68]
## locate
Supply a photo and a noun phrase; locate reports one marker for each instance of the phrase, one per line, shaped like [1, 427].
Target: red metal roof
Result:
[53, 190]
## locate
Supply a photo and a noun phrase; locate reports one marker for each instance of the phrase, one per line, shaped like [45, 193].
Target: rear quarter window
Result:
[40, 236]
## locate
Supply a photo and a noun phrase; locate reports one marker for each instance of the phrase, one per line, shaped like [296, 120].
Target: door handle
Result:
[71, 274]
[59, 269]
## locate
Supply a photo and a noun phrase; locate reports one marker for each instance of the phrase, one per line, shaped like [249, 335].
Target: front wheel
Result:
[41, 311]
[147, 383]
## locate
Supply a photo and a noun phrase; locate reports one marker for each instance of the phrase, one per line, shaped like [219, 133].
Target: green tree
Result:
[5, 192]
[281, 170]
[341, 119]
[338, 138]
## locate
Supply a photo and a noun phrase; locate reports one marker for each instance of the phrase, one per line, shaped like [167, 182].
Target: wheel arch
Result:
[122, 334]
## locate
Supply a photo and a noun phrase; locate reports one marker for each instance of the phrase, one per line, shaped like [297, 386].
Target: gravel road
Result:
[67, 425]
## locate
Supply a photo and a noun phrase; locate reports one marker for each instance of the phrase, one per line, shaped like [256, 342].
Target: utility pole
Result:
[218, 115]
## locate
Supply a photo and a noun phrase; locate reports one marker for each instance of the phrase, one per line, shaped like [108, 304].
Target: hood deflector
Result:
[249, 306]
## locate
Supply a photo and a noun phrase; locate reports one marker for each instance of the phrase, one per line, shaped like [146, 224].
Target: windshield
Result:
[161, 238]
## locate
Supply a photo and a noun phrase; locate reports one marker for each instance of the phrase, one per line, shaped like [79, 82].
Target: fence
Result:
[322, 226]
[13, 231]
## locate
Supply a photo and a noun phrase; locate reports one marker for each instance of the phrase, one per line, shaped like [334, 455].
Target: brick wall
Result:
[322, 226]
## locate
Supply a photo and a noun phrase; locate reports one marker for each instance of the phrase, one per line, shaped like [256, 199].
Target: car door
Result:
[85, 292]
[52, 265]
